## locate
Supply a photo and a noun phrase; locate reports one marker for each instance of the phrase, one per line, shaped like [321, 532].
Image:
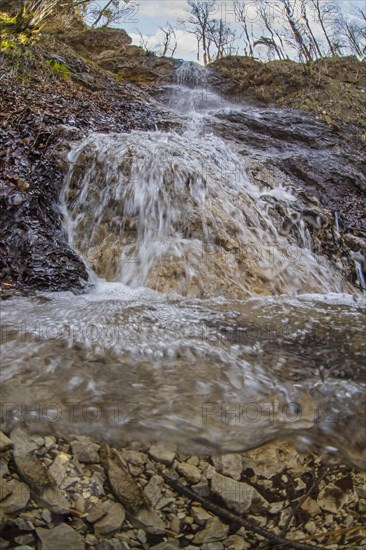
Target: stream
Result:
[213, 319]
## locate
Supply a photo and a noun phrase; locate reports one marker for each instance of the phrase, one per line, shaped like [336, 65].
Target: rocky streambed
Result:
[75, 493]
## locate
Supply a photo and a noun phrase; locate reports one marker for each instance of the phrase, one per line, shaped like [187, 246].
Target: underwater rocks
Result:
[300, 491]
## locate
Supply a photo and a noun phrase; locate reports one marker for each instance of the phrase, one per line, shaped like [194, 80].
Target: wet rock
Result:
[273, 458]
[23, 523]
[134, 457]
[123, 485]
[111, 521]
[232, 465]
[190, 472]
[16, 497]
[214, 531]
[200, 515]
[4, 489]
[175, 524]
[112, 544]
[202, 489]
[163, 452]
[97, 511]
[212, 546]
[58, 468]
[153, 489]
[91, 540]
[4, 470]
[85, 450]
[54, 500]
[96, 485]
[310, 527]
[332, 498]
[310, 506]
[32, 470]
[59, 538]
[149, 520]
[23, 443]
[237, 495]
[235, 542]
[5, 442]
[49, 442]
[165, 546]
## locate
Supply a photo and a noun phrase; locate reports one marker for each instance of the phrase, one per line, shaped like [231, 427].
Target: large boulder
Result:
[92, 42]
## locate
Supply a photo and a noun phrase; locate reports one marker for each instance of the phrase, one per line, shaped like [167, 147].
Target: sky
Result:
[147, 16]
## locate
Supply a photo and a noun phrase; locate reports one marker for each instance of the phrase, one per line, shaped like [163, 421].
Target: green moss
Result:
[5, 45]
[60, 69]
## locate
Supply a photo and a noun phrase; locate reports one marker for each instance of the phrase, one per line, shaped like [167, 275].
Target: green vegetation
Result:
[60, 69]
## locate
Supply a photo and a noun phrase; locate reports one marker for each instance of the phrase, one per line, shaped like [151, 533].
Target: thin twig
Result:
[302, 499]
[231, 517]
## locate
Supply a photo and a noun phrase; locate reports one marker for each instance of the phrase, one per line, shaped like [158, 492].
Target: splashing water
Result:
[178, 212]
[191, 75]
[162, 215]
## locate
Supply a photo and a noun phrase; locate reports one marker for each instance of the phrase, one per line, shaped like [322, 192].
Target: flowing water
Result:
[211, 320]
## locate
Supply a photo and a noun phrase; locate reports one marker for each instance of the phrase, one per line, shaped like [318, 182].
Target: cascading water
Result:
[162, 215]
[177, 211]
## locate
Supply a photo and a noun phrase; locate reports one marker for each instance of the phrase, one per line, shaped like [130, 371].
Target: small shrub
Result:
[60, 69]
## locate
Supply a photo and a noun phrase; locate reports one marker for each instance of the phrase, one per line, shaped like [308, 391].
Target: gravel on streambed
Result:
[79, 494]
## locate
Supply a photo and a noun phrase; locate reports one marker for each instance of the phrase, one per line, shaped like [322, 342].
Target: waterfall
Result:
[178, 211]
[191, 75]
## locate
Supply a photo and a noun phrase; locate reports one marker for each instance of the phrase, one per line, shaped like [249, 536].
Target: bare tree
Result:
[32, 15]
[292, 15]
[313, 41]
[241, 15]
[222, 36]
[113, 11]
[327, 14]
[354, 33]
[169, 40]
[198, 25]
[270, 45]
[145, 42]
[267, 18]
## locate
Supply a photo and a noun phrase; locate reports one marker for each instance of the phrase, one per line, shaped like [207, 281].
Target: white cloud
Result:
[162, 8]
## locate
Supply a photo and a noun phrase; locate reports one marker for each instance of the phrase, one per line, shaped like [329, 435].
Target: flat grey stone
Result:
[163, 452]
[149, 520]
[17, 497]
[215, 531]
[112, 521]
[85, 450]
[61, 537]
